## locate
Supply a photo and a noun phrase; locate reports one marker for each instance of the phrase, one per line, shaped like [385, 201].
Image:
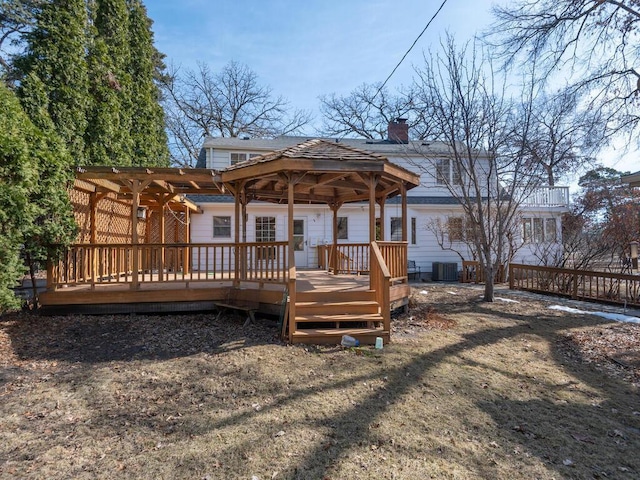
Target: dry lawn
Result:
[466, 390]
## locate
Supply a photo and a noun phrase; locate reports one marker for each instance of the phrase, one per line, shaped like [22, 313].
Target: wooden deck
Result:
[315, 306]
[327, 306]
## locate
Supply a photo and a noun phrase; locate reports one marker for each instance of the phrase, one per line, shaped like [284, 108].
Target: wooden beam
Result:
[373, 181]
[164, 185]
[403, 192]
[381, 203]
[84, 186]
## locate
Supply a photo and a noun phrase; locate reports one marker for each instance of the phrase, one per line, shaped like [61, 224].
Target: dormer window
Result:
[447, 173]
[237, 157]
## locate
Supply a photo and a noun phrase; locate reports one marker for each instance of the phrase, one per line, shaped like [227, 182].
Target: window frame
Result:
[342, 232]
[537, 230]
[395, 235]
[247, 156]
[228, 224]
[266, 252]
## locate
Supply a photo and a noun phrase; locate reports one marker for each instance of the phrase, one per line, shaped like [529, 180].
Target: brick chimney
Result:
[398, 131]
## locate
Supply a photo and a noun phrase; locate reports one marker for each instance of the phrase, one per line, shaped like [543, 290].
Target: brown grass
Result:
[466, 390]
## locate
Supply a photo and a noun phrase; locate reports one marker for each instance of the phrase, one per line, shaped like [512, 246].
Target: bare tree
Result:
[367, 111]
[228, 103]
[562, 139]
[484, 168]
[593, 41]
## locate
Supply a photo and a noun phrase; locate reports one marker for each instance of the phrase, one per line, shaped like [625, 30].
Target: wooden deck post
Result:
[186, 261]
[403, 193]
[373, 182]
[291, 259]
[381, 203]
[162, 238]
[93, 200]
[135, 203]
[236, 237]
[333, 252]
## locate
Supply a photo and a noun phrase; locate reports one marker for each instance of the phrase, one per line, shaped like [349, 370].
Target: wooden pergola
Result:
[146, 188]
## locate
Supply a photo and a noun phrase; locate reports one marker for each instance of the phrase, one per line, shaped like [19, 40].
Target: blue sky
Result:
[305, 49]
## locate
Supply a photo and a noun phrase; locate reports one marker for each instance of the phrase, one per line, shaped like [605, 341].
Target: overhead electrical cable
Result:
[410, 48]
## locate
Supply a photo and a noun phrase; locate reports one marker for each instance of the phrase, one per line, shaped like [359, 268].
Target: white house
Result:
[428, 205]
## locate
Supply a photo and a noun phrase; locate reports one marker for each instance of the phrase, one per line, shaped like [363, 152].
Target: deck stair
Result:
[324, 317]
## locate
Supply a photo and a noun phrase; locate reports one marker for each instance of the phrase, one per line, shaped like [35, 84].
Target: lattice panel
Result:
[175, 227]
[113, 219]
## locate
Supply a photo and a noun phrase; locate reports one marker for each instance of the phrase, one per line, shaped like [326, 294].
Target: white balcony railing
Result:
[548, 197]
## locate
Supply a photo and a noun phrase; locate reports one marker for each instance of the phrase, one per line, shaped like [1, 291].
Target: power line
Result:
[410, 48]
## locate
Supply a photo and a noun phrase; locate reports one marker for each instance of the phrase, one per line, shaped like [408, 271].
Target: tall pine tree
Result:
[148, 135]
[110, 121]
[56, 54]
[35, 214]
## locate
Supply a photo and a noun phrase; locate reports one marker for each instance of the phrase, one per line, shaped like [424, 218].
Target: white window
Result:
[447, 173]
[237, 157]
[221, 227]
[396, 229]
[455, 229]
[539, 230]
[414, 232]
[266, 232]
[459, 229]
[343, 228]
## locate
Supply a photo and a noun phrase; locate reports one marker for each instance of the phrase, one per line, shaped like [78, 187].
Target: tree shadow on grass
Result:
[108, 338]
[564, 433]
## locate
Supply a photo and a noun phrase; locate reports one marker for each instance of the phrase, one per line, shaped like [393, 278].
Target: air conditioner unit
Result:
[444, 272]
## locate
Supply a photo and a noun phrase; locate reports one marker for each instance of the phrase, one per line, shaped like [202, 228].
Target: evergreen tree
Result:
[148, 135]
[55, 53]
[52, 222]
[35, 213]
[110, 120]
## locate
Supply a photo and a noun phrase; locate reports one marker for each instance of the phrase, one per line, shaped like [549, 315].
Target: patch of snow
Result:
[452, 293]
[423, 292]
[617, 317]
[508, 300]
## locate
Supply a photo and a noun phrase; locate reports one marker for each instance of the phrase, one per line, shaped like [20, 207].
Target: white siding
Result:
[320, 218]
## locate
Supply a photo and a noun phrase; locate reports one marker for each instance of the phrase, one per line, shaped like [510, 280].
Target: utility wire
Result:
[410, 48]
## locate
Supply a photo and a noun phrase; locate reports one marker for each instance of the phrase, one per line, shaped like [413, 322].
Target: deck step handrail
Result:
[380, 282]
[577, 284]
[100, 263]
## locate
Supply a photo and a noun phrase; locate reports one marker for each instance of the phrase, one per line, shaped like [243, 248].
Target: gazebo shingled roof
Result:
[323, 172]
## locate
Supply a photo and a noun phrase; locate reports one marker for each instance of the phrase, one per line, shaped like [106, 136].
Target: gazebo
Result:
[135, 252]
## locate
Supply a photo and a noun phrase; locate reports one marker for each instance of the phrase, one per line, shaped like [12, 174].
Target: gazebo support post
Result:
[236, 237]
[291, 257]
[403, 193]
[333, 253]
[373, 182]
[381, 203]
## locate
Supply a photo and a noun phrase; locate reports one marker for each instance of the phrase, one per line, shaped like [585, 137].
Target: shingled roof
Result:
[322, 171]
[315, 149]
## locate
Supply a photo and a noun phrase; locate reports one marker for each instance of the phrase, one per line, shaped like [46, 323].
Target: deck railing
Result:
[349, 258]
[92, 264]
[577, 284]
[395, 258]
[548, 197]
[472, 272]
[380, 282]
[354, 257]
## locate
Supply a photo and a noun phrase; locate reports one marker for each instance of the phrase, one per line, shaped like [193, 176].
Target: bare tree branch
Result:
[228, 103]
[593, 42]
[469, 112]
